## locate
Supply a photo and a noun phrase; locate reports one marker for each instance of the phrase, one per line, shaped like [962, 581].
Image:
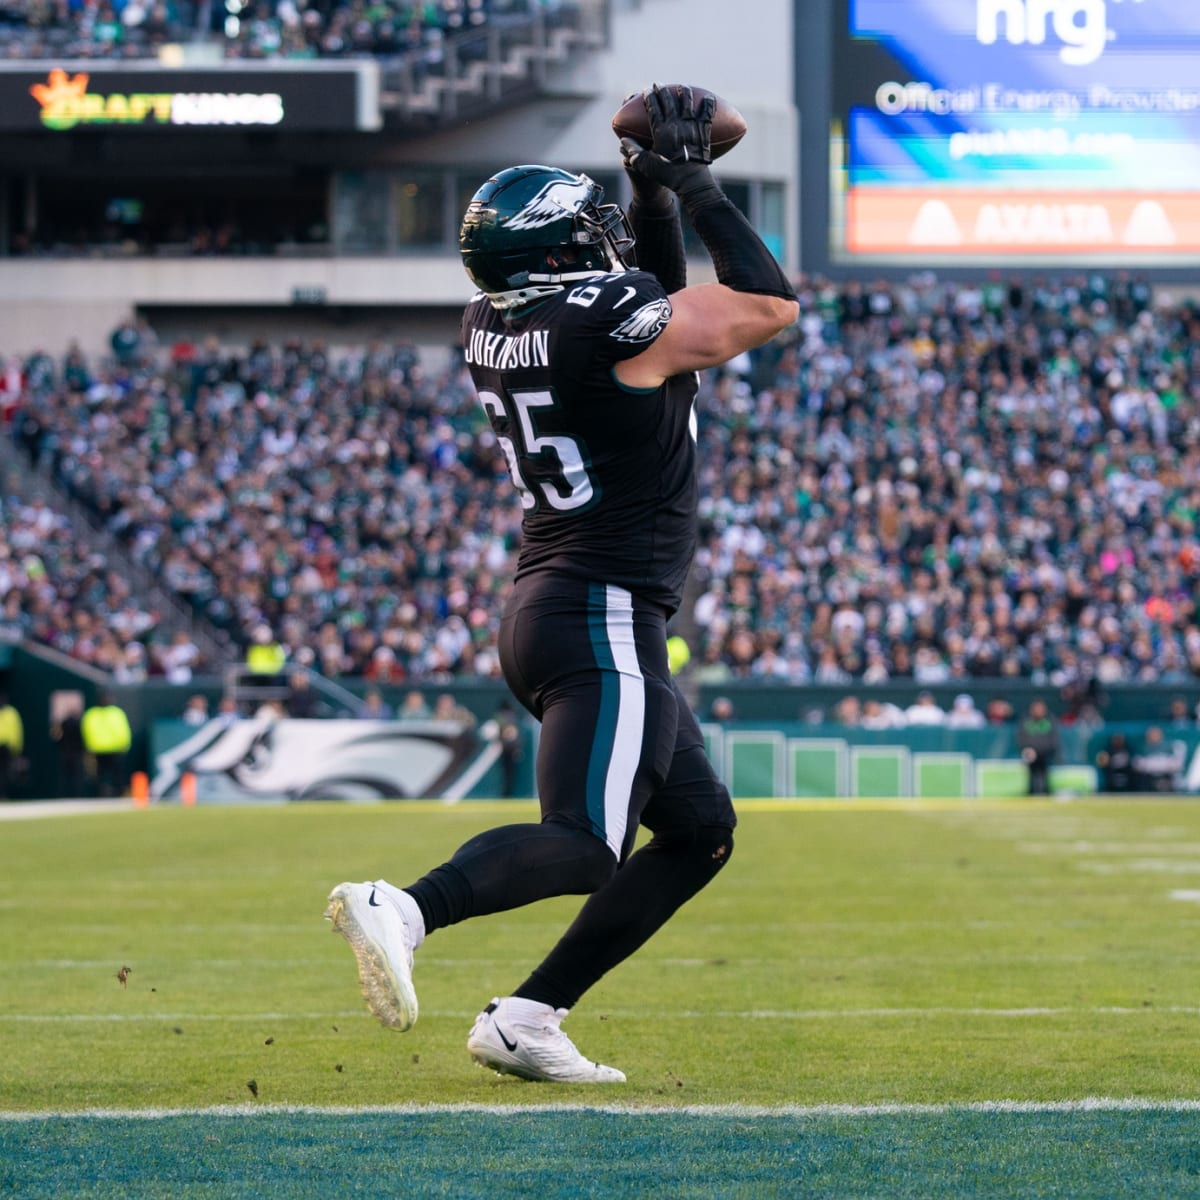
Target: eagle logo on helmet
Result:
[559, 198]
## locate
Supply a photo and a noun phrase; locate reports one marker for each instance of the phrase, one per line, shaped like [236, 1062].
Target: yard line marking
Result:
[800, 1111]
[121, 1018]
[1192, 895]
[160, 965]
[1144, 848]
[753, 1014]
[1141, 866]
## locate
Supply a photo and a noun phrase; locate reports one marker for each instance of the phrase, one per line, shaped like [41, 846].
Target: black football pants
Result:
[620, 748]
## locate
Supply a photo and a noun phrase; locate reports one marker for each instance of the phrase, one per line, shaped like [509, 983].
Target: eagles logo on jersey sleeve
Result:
[645, 324]
[625, 313]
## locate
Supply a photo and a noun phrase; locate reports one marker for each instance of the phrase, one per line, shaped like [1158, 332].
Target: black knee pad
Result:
[708, 847]
[714, 842]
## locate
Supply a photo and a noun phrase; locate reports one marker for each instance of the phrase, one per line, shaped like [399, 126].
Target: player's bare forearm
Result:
[727, 322]
[710, 324]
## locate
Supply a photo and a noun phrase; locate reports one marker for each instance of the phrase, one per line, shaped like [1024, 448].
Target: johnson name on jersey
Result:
[606, 474]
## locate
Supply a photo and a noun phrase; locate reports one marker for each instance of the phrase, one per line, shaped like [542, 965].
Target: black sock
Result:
[507, 867]
[624, 913]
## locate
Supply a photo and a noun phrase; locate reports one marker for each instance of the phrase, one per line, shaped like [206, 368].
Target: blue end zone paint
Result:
[956, 1152]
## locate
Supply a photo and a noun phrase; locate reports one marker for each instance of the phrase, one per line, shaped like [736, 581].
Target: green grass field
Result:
[872, 1000]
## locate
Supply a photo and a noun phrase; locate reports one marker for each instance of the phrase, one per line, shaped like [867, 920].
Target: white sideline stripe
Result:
[801, 1111]
[802, 1014]
[27, 810]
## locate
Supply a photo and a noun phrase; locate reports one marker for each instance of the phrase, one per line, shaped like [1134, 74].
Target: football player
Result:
[585, 361]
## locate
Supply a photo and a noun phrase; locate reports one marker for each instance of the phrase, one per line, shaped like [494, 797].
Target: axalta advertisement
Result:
[976, 130]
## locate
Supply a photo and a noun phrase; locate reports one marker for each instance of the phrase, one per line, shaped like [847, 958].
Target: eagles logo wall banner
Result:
[264, 758]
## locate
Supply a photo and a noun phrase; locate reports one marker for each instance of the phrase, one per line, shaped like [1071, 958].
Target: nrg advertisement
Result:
[993, 131]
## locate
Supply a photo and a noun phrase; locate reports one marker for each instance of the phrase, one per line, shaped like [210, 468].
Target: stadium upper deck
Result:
[246, 29]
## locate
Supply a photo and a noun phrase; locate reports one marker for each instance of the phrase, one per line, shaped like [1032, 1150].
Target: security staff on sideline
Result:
[107, 738]
[12, 743]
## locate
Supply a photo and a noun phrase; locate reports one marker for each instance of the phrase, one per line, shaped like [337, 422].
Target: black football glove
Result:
[650, 197]
[679, 155]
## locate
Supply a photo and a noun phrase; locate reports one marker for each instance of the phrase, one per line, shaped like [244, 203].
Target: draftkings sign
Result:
[85, 96]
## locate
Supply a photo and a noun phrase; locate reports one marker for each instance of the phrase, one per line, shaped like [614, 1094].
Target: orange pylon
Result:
[139, 789]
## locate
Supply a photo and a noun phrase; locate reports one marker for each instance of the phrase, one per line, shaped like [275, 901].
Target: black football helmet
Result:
[531, 230]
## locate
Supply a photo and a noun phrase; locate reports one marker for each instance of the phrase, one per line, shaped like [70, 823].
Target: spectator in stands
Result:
[179, 659]
[722, 709]
[1116, 764]
[126, 342]
[447, 708]
[1082, 704]
[302, 702]
[879, 714]
[1037, 740]
[924, 711]
[712, 668]
[384, 667]
[195, 711]
[1179, 715]
[130, 665]
[1158, 763]
[375, 708]
[414, 707]
[964, 715]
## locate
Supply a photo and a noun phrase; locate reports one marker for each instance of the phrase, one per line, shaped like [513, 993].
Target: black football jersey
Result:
[606, 474]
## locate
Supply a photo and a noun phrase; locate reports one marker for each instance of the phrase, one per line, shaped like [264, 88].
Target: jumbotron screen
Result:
[976, 131]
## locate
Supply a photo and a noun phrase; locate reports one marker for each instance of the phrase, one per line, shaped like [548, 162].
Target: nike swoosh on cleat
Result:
[372, 901]
[510, 1046]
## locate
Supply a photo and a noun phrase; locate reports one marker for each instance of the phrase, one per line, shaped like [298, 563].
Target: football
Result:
[728, 126]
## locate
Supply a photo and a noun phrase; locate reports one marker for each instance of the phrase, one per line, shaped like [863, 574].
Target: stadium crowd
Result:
[58, 590]
[944, 482]
[928, 481]
[350, 505]
[248, 29]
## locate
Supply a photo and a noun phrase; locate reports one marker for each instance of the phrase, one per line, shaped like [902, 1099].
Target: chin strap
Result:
[542, 286]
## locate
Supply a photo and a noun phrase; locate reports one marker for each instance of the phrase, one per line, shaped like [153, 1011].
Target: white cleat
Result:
[371, 921]
[521, 1037]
